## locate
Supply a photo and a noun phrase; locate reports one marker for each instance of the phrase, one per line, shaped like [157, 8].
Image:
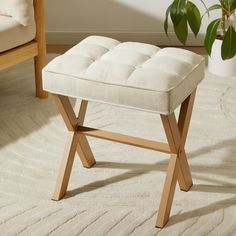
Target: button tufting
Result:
[130, 74]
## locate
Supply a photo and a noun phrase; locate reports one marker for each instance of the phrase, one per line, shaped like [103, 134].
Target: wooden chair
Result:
[34, 49]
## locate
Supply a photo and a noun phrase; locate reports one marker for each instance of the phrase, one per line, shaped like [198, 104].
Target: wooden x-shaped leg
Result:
[75, 142]
[178, 167]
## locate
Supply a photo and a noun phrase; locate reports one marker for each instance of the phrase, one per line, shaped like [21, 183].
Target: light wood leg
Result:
[65, 109]
[185, 117]
[66, 167]
[39, 63]
[176, 134]
[185, 177]
[76, 142]
[83, 149]
[168, 192]
[41, 59]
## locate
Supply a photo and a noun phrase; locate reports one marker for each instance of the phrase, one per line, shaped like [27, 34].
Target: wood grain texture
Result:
[125, 139]
[168, 192]
[83, 148]
[66, 167]
[185, 116]
[40, 59]
[85, 152]
[66, 111]
[75, 142]
[17, 55]
[176, 136]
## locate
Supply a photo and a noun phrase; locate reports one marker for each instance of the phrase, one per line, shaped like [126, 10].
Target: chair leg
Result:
[168, 192]
[41, 59]
[185, 116]
[39, 63]
[76, 142]
[185, 178]
[174, 140]
[72, 122]
[176, 133]
[66, 167]
[178, 166]
[83, 149]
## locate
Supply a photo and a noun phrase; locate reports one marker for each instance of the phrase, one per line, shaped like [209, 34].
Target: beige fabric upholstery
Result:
[129, 74]
[21, 10]
[13, 34]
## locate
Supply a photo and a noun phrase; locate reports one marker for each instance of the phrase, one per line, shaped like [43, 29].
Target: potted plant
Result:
[220, 39]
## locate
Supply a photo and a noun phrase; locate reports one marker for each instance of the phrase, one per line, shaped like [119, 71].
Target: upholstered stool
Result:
[133, 75]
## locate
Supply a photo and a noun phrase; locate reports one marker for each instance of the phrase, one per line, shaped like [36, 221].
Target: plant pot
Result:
[219, 67]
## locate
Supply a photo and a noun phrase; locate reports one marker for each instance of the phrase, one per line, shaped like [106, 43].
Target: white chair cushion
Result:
[13, 34]
[21, 10]
[129, 74]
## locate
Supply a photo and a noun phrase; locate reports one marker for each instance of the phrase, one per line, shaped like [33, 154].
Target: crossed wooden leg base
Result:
[178, 168]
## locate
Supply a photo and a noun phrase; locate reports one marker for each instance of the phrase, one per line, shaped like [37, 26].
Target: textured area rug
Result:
[121, 193]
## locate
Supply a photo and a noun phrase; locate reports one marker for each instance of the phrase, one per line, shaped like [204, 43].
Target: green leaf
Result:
[228, 49]
[227, 4]
[181, 30]
[177, 10]
[230, 4]
[205, 7]
[233, 5]
[166, 20]
[193, 17]
[213, 7]
[211, 35]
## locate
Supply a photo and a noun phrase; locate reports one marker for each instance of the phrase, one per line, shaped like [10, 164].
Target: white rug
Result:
[121, 194]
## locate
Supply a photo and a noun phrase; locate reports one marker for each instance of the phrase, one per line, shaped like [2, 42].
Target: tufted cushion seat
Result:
[129, 74]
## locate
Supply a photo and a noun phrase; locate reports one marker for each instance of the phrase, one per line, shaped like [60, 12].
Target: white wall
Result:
[69, 21]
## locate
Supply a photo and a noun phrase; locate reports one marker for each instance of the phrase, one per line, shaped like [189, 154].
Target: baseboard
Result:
[156, 38]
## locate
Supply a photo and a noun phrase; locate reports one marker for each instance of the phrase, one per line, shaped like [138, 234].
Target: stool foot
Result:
[84, 151]
[168, 192]
[66, 167]
[185, 177]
